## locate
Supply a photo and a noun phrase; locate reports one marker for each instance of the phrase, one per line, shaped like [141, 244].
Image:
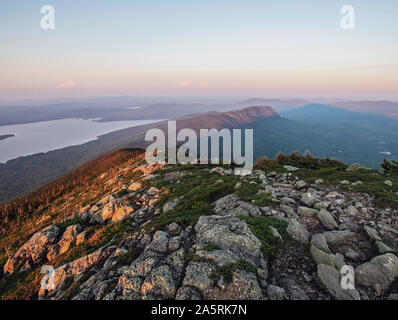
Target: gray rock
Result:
[159, 242]
[174, 243]
[188, 293]
[332, 260]
[160, 282]
[327, 219]
[289, 211]
[383, 248]
[276, 293]
[300, 185]
[330, 279]
[305, 211]
[308, 199]
[169, 206]
[198, 275]
[372, 233]
[229, 233]
[231, 204]
[388, 183]
[319, 241]
[380, 272]
[176, 261]
[333, 237]
[322, 205]
[352, 211]
[297, 231]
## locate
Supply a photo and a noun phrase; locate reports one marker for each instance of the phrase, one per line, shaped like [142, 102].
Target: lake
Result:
[46, 136]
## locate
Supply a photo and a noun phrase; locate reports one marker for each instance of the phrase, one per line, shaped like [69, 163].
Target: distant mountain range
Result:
[323, 130]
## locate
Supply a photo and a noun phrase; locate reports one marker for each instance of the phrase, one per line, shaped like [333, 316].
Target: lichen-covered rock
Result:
[188, 293]
[35, 248]
[198, 275]
[77, 267]
[159, 283]
[232, 205]
[169, 206]
[159, 242]
[229, 233]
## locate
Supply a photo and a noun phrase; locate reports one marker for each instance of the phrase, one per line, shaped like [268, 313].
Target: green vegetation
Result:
[199, 189]
[121, 193]
[261, 229]
[226, 272]
[210, 247]
[390, 167]
[248, 192]
[63, 225]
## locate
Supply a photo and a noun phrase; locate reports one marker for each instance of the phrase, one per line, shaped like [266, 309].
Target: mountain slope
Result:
[137, 231]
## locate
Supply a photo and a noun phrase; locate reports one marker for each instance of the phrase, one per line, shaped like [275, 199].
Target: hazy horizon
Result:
[225, 48]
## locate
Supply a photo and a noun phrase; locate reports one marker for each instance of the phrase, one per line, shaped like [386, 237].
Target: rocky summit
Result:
[133, 231]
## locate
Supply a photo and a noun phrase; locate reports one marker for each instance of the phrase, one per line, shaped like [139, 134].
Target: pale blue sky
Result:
[146, 47]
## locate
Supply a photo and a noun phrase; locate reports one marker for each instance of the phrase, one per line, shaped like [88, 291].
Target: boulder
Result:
[229, 233]
[379, 273]
[372, 233]
[159, 283]
[336, 236]
[232, 205]
[276, 293]
[159, 242]
[74, 269]
[319, 241]
[307, 212]
[68, 238]
[333, 260]
[329, 277]
[35, 248]
[327, 219]
[169, 206]
[308, 199]
[297, 231]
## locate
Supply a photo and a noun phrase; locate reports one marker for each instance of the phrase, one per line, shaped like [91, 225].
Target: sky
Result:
[267, 48]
